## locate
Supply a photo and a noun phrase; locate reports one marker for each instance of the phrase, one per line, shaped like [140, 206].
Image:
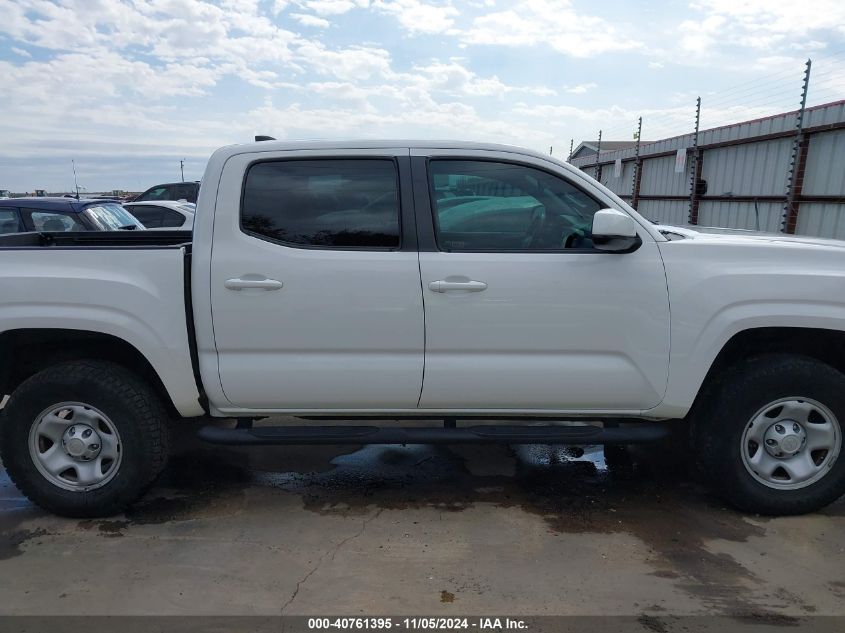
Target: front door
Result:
[315, 285]
[521, 312]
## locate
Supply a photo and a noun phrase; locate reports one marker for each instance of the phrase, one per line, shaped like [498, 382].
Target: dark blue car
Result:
[54, 215]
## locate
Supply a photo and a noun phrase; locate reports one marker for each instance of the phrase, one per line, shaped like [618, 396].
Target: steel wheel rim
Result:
[791, 443]
[75, 446]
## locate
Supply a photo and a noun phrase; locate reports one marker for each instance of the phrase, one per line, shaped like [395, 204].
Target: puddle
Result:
[646, 493]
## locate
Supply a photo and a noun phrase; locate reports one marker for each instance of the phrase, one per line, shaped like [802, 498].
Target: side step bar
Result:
[494, 434]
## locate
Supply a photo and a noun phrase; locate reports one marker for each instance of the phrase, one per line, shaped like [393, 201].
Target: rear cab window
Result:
[331, 203]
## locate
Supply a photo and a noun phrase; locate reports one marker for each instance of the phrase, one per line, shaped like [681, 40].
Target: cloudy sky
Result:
[127, 88]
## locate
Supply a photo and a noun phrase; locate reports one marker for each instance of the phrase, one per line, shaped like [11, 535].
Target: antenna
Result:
[75, 184]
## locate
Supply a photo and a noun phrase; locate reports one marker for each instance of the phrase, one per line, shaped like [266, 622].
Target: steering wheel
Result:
[548, 231]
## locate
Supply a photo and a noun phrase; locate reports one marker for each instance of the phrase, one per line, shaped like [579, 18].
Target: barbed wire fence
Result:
[787, 92]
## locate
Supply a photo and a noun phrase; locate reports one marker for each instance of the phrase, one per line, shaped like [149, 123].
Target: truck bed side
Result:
[128, 286]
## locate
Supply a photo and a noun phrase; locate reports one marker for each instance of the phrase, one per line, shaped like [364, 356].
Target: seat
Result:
[54, 225]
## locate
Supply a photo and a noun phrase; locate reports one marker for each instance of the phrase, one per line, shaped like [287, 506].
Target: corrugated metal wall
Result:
[746, 168]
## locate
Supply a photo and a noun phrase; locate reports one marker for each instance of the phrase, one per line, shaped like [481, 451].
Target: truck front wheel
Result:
[769, 435]
[84, 438]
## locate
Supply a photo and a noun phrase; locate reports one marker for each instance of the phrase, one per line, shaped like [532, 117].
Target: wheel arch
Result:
[25, 352]
[824, 345]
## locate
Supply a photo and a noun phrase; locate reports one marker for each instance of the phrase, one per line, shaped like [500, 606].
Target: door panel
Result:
[560, 327]
[301, 327]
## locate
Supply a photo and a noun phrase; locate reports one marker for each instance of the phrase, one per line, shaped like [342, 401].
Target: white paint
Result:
[552, 333]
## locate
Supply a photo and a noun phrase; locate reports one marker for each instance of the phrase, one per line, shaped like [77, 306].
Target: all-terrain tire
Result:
[729, 404]
[134, 409]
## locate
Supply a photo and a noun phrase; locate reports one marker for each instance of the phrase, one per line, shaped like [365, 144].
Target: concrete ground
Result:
[395, 530]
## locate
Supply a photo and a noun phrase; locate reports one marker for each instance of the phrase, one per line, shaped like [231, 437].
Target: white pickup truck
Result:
[447, 282]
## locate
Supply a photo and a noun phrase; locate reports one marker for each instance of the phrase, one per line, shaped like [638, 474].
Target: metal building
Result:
[739, 175]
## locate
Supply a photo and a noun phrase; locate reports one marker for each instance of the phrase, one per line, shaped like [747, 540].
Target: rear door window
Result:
[10, 221]
[55, 221]
[148, 215]
[171, 219]
[345, 203]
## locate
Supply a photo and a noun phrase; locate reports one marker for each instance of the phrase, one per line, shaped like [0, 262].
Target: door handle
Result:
[260, 284]
[443, 285]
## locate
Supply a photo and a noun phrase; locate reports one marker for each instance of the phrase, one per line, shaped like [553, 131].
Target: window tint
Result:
[149, 216]
[485, 205]
[9, 222]
[156, 193]
[324, 203]
[172, 219]
[187, 191]
[55, 222]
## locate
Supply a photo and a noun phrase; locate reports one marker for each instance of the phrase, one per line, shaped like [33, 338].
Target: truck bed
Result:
[131, 285]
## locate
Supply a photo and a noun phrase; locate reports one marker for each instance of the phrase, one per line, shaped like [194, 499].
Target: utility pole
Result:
[798, 160]
[551, 147]
[598, 167]
[695, 168]
[182, 168]
[635, 185]
[75, 183]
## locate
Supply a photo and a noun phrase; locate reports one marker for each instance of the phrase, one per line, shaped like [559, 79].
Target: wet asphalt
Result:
[530, 530]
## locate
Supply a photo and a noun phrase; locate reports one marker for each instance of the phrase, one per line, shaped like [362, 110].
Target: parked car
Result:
[19, 215]
[327, 280]
[164, 214]
[187, 191]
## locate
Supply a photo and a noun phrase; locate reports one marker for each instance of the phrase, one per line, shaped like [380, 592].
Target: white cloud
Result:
[553, 23]
[151, 78]
[310, 20]
[764, 25]
[330, 7]
[581, 88]
[419, 17]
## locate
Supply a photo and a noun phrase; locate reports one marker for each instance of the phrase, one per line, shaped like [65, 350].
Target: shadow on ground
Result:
[647, 493]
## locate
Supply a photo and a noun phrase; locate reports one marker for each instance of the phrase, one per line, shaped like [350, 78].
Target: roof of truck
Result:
[52, 203]
[275, 145]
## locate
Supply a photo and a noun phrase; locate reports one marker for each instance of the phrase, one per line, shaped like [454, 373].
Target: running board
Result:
[494, 434]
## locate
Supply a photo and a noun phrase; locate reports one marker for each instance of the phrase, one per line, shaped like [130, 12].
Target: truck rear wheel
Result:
[84, 438]
[769, 435]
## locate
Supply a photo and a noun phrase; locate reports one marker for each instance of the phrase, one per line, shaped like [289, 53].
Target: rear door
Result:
[521, 311]
[315, 287]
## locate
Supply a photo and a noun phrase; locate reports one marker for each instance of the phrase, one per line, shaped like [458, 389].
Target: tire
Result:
[128, 420]
[743, 404]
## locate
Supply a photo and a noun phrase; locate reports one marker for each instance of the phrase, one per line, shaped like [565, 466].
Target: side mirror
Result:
[615, 232]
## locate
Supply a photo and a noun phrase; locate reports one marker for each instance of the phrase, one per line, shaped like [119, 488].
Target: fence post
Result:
[798, 161]
[635, 186]
[695, 168]
[597, 174]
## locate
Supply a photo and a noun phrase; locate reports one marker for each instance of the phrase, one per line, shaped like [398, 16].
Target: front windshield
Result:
[111, 216]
